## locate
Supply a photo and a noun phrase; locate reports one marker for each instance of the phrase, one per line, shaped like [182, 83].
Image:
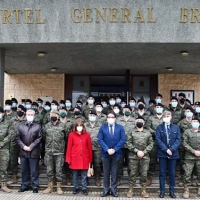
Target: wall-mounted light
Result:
[184, 53]
[169, 69]
[53, 69]
[41, 54]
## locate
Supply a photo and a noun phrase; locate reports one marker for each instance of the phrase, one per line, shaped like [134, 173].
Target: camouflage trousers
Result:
[153, 160]
[14, 163]
[96, 163]
[189, 165]
[54, 166]
[138, 166]
[4, 160]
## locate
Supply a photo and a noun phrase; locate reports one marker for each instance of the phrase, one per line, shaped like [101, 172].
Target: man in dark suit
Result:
[111, 138]
[168, 141]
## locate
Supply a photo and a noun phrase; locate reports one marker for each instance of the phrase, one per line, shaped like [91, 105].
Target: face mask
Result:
[54, 107]
[112, 103]
[63, 114]
[132, 104]
[104, 105]
[77, 113]
[92, 119]
[166, 120]
[54, 118]
[111, 121]
[141, 107]
[195, 125]
[68, 105]
[47, 108]
[118, 100]
[14, 105]
[40, 105]
[198, 109]
[62, 105]
[8, 108]
[159, 110]
[79, 128]
[79, 105]
[28, 106]
[1, 116]
[29, 118]
[182, 101]
[90, 102]
[23, 104]
[20, 113]
[116, 110]
[127, 113]
[139, 124]
[98, 109]
[189, 115]
[158, 100]
[174, 104]
[123, 105]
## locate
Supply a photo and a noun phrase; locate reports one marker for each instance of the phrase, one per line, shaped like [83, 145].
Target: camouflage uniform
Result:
[4, 150]
[191, 142]
[43, 112]
[38, 118]
[96, 150]
[177, 115]
[102, 118]
[70, 112]
[141, 141]
[55, 136]
[86, 109]
[79, 117]
[46, 118]
[8, 117]
[151, 125]
[145, 115]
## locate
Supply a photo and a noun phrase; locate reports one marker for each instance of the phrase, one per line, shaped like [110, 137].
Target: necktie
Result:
[168, 132]
[111, 131]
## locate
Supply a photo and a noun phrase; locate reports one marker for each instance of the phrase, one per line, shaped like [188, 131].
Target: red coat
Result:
[79, 151]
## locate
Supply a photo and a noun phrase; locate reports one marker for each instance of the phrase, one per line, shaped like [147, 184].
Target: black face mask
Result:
[182, 101]
[139, 124]
[54, 118]
[141, 107]
[20, 113]
[77, 113]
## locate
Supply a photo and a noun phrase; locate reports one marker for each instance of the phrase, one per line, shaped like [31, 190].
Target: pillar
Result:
[2, 67]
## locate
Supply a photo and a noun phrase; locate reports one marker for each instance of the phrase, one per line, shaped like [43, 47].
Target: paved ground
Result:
[14, 195]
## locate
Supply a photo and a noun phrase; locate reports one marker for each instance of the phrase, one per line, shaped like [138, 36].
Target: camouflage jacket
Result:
[4, 135]
[79, 117]
[38, 118]
[55, 137]
[93, 131]
[46, 118]
[86, 109]
[139, 141]
[102, 118]
[145, 115]
[10, 116]
[191, 142]
[177, 115]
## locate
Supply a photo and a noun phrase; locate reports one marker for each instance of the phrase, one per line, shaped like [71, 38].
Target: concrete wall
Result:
[32, 86]
[168, 82]
[49, 21]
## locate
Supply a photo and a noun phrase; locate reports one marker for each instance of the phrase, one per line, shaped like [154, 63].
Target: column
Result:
[2, 67]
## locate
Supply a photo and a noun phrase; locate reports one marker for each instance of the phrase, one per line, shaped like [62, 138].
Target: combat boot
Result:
[130, 191]
[149, 180]
[49, 188]
[186, 193]
[4, 187]
[193, 183]
[59, 189]
[144, 194]
[198, 193]
[14, 179]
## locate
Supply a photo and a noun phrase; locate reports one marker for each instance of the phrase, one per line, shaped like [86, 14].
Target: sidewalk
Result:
[14, 195]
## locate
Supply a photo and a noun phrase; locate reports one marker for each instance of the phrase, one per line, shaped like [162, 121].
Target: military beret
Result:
[28, 100]
[197, 103]
[79, 102]
[127, 106]
[174, 98]
[78, 107]
[62, 101]
[93, 112]
[111, 112]
[55, 102]
[55, 112]
[117, 105]
[104, 100]
[39, 100]
[98, 104]
[159, 95]
[8, 102]
[131, 98]
[47, 103]
[35, 104]
[140, 100]
[15, 100]
[22, 107]
[68, 99]
[160, 104]
[90, 96]
[195, 118]
[140, 117]
[112, 97]
[152, 101]
[1, 110]
[181, 94]
[190, 108]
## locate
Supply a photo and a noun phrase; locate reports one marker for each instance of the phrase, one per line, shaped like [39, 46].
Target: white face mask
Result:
[111, 121]
[98, 109]
[29, 118]
[90, 101]
[1, 116]
[53, 107]
[166, 120]
[116, 110]
[79, 128]
[8, 108]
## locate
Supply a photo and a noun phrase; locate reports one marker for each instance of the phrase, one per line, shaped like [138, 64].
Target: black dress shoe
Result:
[85, 192]
[35, 190]
[76, 191]
[162, 195]
[114, 194]
[105, 194]
[172, 195]
[23, 189]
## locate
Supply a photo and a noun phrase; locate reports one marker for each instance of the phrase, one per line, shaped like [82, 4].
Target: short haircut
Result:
[30, 110]
[167, 113]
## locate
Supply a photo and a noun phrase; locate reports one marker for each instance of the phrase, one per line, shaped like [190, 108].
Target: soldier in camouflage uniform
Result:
[9, 113]
[4, 151]
[140, 143]
[117, 110]
[41, 109]
[92, 127]
[77, 115]
[128, 123]
[151, 125]
[191, 142]
[38, 117]
[197, 109]
[90, 106]
[101, 117]
[132, 104]
[55, 136]
[70, 109]
[14, 147]
[104, 103]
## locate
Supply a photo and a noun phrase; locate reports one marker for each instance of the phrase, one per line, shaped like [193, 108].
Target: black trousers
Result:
[110, 168]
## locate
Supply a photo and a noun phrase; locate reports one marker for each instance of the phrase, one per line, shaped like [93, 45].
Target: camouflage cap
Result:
[54, 112]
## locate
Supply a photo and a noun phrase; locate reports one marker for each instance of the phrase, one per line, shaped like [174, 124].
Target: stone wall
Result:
[168, 82]
[32, 86]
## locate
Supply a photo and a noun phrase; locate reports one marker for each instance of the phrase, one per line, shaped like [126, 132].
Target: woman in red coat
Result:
[79, 155]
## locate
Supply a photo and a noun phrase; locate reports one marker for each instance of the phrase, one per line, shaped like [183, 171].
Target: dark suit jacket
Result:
[174, 141]
[116, 142]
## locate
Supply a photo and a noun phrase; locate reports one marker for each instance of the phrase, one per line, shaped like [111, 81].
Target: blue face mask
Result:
[158, 101]
[195, 125]
[112, 103]
[14, 105]
[174, 104]
[47, 108]
[8, 108]
[53, 107]
[118, 101]
[40, 105]
[159, 110]
[68, 105]
[132, 104]
[62, 105]
[104, 105]
[28, 106]
[189, 114]
[90, 101]
[23, 104]
[198, 109]
[123, 105]
[92, 119]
